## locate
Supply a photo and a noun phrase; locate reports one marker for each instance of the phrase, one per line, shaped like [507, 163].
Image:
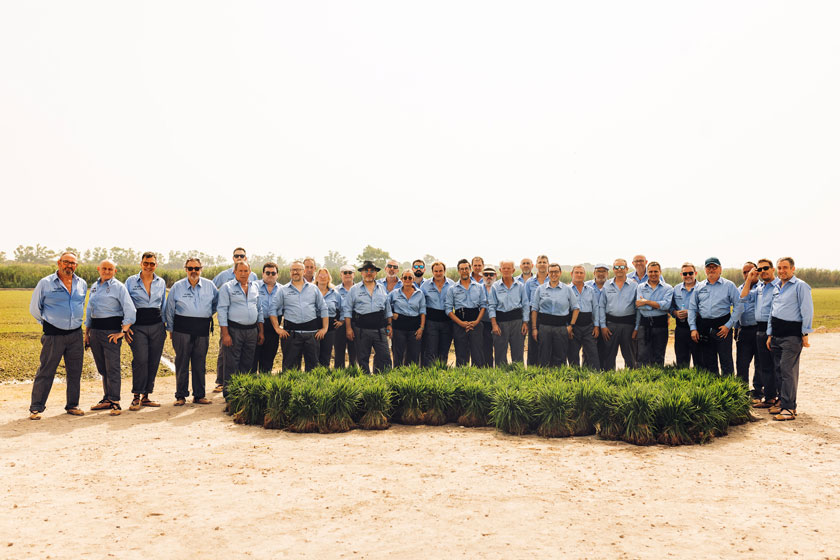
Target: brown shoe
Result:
[180, 402]
[202, 400]
[219, 388]
[775, 409]
[146, 401]
[34, 415]
[762, 404]
[104, 404]
[115, 409]
[75, 411]
[135, 403]
[785, 414]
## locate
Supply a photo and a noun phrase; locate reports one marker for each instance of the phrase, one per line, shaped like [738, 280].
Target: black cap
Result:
[713, 260]
[367, 265]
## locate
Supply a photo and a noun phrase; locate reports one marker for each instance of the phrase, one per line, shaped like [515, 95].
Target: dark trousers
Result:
[239, 356]
[325, 348]
[553, 342]
[267, 351]
[405, 347]
[220, 365]
[686, 350]
[375, 340]
[621, 336]
[602, 350]
[341, 343]
[652, 343]
[533, 350]
[146, 350]
[586, 341]
[714, 349]
[745, 352]
[106, 355]
[468, 345]
[487, 344]
[299, 345]
[190, 355]
[53, 348]
[766, 367]
[786, 351]
[437, 338]
[512, 338]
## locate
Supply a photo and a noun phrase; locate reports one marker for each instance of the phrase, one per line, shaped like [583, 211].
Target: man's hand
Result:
[496, 330]
[534, 333]
[723, 330]
[752, 277]
[695, 336]
[524, 329]
[769, 338]
[260, 339]
[606, 333]
[634, 334]
[350, 336]
[596, 332]
[418, 334]
[337, 324]
[320, 333]
[129, 335]
[805, 343]
[682, 314]
[570, 328]
[227, 340]
[281, 332]
[641, 302]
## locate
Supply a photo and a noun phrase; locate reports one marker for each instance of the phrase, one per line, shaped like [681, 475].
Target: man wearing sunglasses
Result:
[437, 337]
[653, 301]
[391, 281]
[714, 308]
[617, 314]
[188, 314]
[305, 320]
[341, 342]
[745, 335]
[267, 351]
[58, 304]
[761, 297]
[367, 320]
[239, 255]
[685, 348]
[489, 277]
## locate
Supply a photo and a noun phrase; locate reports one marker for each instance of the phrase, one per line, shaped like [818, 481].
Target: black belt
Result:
[745, 327]
[52, 330]
[584, 319]
[438, 315]
[552, 320]
[407, 323]
[240, 327]
[195, 326]
[513, 314]
[313, 325]
[148, 316]
[107, 323]
[467, 313]
[785, 328]
[375, 320]
[622, 319]
[762, 326]
[709, 324]
[655, 322]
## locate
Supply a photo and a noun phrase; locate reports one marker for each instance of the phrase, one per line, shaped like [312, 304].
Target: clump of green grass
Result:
[410, 393]
[511, 411]
[338, 402]
[304, 407]
[553, 408]
[376, 399]
[278, 392]
[586, 394]
[440, 398]
[672, 412]
[475, 403]
[253, 401]
[635, 408]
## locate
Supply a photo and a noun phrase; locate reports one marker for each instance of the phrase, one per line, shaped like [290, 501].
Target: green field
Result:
[20, 335]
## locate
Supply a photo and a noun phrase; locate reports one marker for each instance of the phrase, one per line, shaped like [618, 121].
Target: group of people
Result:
[406, 318]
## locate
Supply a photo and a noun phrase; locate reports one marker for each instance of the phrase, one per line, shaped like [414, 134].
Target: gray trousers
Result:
[375, 340]
[54, 347]
[468, 345]
[786, 351]
[406, 348]
[190, 350]
[146, 350]
[239, 356]
[766, 367]
[553, 344]
[437, 338]
[584, 340]
[106, 355]
[511, 337]
[299, 345]
[652, 343]
[220, 365]
[621, 336]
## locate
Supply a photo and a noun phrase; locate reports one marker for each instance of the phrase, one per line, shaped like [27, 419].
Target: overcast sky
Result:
[584, 130]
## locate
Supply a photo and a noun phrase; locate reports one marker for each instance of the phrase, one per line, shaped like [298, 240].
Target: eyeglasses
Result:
[69, 263]
[619, 267]
[489, 274]
[712, 266]
[270, 272]
[149, 263]
[391, 266]
[688, 274]
[418, 267]
[763, 268]
[193, 268]
[239, 256]
[347, 272]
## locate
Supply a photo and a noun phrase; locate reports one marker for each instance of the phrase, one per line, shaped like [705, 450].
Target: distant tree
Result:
[2, 256]
[96, 256]
[334, 259]
[125, 257]
[378, 256]
[37, 254]
[429, 259]
[72, 250]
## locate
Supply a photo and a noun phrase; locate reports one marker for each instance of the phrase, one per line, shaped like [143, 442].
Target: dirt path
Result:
[187, 481]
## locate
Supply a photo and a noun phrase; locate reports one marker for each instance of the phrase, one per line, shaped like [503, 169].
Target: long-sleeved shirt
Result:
[682, 297]
[110, 299]
[51, 302]
[459, 297]
[554, 300]
[155, 297]
[636, 278]
[792, 302]
[226, 276]
[711, 301]
[359, 300]
[333, 302]
[300, 306]
[588, 301]
[747, 309]
[237, 306]
[506, 299]
[409, 307]
[436, 299]
[384, 283]
[617, 302]
[266, 298]
[190, 301]
[663, 294]
[532, 284]
[761, 297]
[342, 293]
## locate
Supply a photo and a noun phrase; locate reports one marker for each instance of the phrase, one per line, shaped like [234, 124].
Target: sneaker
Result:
[202, 400]
[75, 411]
[219, 389]
[34, 415]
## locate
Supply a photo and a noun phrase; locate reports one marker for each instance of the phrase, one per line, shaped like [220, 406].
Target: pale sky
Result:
[584, 130]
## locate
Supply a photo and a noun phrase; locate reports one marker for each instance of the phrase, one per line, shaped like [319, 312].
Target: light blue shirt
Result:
[300, 306]
[486, 316]
[714, 300]
[792, 302]
[532, 284]
[595, 287]
[663, 294]
[51, 302]
[384, 283]
[761, 297]
[360, 301]
[554, 300]
[237, 306]
[588, 301]
[436, 299]
[506, 299]
[190, 301]
[635, 277]
[747, 308]
[409, 307]
[226, 276]
[155, 297]
[267, 299]
[518, 278]
[682, 298]
[617, 302]
[333, 302]
[459, 297]
[342, 293]
[110, 299]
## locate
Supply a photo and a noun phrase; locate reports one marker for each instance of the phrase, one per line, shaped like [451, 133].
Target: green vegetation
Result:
[643, 407]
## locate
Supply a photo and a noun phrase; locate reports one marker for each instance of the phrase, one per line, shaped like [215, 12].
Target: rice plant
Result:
[338, 401]
[586, 393]
[475, 403]
[278, 392]
[440, 398]
[252, 404]
[410, 393]
[511, 410]
[672, 411]
[706, 415]
[376, 399]
[553, 408]
[303, 407]
[635, 408]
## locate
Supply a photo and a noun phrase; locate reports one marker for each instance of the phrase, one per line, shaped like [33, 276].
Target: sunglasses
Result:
[688, 274]
[763, 268]
[193, 268]
[418, 267]
[619, 267]
[391, 266]
[347, 272]
[407, 278]
[270, 272]
[152, 264]
[489, 274]
[239, 256]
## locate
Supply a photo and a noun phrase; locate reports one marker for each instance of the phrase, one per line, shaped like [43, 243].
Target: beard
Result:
[418, 273]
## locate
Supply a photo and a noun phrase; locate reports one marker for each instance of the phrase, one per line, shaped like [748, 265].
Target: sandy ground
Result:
[187, 481]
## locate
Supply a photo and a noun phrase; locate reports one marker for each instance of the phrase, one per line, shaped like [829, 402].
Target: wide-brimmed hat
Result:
[367, 265]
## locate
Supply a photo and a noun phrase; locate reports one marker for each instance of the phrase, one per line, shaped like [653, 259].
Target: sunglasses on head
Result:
[192, 268]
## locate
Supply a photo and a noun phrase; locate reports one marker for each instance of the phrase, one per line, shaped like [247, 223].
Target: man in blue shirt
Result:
[685, 348]
[341, 342]
[367, 317]
[617, 314]
[241, 322]
[188, 315]
[526, 265]
[761, 297]
[653, 301]
[58, 304]
[305, 320]
[791, 315]
[465, 305]
[744, 335]
[391, 281]
[437, 338]
[554, 312]
[599, 280]
[586, 330]
[531, 285]
[267, 351]
[478, 270]
[510, 312]
[639, 273]
[108, 318]
[489, 274]
[713, 310]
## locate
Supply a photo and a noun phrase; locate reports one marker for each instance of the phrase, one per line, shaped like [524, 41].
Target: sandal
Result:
[219, 388]
[146, 401]
[180, 402]
[34, 415]
[763, 404]
[135, 404]
[115, 409]
[104, 404]
[785, 414]
[75, 411]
